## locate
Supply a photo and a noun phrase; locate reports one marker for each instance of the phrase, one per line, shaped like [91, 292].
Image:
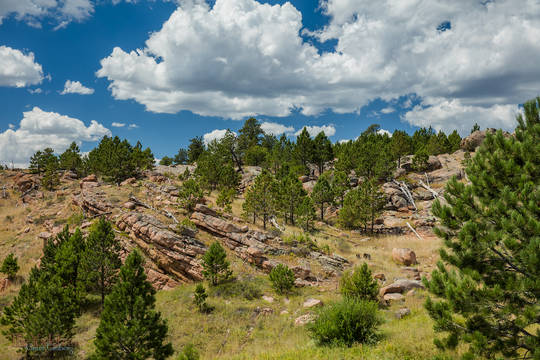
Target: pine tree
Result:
[323, 193]
[262, 197]
[71, 159]
[50, 179]
[455, 141]
[354, 211]
[10, 266]
[102, 258]
[304, 147]
[359, 284]
[291, 195]
[420, 160]
[215, 264]
[199, 298]
[190, 194]
[306, 213]
[340, 184]
[181, 157]
[488, 280]
[166, 161]
[195, 149]
[249, 135]
[401, 145]
[225, 198]
[282, 278]
[476, 127]
[130, 327]
[322, 151]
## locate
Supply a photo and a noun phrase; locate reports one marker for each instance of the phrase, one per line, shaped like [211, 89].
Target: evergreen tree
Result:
[323, 193]
[438, 144]
[282, 278]
[354, 211]
[190, 194]
[215, 264]
[291, 195]
[306, 213]
[304, 147]
[249, 135]
[359, 284]
[476, 127]
[142, 159]
[102, 258]
[256, 156]
[195, 149]
[420, 160]
[10, 266]
[373, 156]
[455, 141]
[340, 184]
[488, 280]
[225, 198]
[375, 200]
[181, 157]
[322, 151]
[401, 145]
[71, 159]
[262, 197]
[166, 161]
[43, 159]
[199, 298]
[130, 327]
[50, 179]
[421, 138]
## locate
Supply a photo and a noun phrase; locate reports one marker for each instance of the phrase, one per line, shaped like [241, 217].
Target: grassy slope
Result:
[233, 330]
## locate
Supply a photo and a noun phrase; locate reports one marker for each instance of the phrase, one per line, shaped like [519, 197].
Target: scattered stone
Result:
[404, 256]
[128, 181]
[284, 312]
[130, 205]
[380, 276]
[401, 286]
[44, 235]
[393, 297]
[265, 311]
[401, 313]
[268, 298]
[4, 283]
[86, 224]
[309, 303]
[304, 319]
[301, 272]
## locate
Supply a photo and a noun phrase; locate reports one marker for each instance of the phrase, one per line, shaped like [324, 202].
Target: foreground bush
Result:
[282, 279]
[346, 322]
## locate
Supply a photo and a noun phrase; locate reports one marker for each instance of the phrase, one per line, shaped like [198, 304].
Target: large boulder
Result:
[404, 256]
[401, 286]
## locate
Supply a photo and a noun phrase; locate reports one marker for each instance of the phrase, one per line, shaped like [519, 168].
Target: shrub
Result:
[346, 322]
[199, 298]
[420, 160]
[282, 279]
[359, 284]
[248, 289]
[10, 267]
[215, 264]
[189, 352]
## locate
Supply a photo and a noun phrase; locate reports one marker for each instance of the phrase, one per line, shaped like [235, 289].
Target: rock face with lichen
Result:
[176, 255]
[92, 203]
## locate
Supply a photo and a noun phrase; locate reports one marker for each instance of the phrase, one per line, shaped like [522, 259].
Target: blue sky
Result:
[328, 64]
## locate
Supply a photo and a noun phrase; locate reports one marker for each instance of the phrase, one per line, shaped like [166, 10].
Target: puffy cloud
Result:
[117, 124]
[240, 57]
[214, 135]
[452, 115]
[18, 69]
[33, 11]
[133, 126]
[39, 129]
[275, 128]
[388, 110]
[75, 87]
[329, 130]
[383, 131]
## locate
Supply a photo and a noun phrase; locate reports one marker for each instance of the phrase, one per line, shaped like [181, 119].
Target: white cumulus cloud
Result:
[451, 115]
[383, 132]
[216, 134]
[329, 130]
[34, 11]
[39, 129]
[18, 69]
[117, 124]
[275, 128]
[75, 87]
[240, 57]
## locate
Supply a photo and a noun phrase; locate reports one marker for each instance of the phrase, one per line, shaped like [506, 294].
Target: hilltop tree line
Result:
[114, 159]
